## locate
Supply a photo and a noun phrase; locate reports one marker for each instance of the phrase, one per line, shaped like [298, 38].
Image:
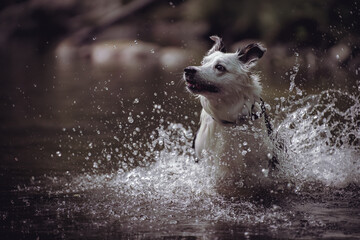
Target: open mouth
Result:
[199, 87]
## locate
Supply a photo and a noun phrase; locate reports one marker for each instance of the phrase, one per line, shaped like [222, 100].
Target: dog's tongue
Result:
[194, 86]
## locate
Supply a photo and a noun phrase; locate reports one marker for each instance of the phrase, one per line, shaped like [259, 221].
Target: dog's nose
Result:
[190, 70]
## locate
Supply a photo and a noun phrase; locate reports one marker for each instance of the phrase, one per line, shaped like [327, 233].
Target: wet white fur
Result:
[237, 154]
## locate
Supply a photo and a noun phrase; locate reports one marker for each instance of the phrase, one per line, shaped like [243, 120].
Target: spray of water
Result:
[321, 133]
[159, 182]
[173, 190]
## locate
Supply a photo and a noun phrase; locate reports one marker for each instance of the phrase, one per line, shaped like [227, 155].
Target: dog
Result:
[233, 137]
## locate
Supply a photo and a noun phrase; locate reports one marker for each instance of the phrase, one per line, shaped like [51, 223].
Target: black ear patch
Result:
[218, 45]
[251, 53]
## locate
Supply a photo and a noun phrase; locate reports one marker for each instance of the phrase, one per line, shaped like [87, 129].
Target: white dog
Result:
[233, 135]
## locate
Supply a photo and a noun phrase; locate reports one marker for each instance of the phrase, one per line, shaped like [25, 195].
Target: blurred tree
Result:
[304, 22]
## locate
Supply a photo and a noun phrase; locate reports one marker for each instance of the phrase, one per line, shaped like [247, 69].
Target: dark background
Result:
[324, 33]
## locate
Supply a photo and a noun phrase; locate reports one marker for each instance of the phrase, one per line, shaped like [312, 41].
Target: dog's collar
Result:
[253, 116]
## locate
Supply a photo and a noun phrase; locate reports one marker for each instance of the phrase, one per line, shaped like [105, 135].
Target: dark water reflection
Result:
[68, 131]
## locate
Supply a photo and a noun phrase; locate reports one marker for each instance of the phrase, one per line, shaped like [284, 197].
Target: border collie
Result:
[233, 138]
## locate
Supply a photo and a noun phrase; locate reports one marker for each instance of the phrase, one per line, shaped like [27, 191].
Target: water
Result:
[91, 152]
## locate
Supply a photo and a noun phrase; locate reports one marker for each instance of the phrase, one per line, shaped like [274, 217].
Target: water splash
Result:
[175, 190]
[321, 133]
[293, 74]
[160, 184]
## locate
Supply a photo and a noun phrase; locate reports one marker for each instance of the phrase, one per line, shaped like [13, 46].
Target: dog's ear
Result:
[218, 45]
[250, 54]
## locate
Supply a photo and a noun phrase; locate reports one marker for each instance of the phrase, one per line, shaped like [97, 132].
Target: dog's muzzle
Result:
[196, 85]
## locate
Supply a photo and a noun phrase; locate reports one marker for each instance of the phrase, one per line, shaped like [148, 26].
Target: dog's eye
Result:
[220, 67]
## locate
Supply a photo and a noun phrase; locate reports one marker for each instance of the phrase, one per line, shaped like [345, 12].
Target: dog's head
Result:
[225, 80]
[220, 72]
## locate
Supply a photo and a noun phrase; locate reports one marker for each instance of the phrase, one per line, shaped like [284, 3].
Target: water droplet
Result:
[152, 51]
[130, 119]
[337, 56]
[58, 153]
[265, 172]
[136, 100]
[94, 38]
[108, 157]
[135, 41]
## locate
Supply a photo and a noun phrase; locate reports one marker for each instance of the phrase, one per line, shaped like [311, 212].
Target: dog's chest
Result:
[239, 147]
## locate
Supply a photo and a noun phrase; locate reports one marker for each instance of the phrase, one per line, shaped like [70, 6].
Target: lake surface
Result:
[105, 153]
